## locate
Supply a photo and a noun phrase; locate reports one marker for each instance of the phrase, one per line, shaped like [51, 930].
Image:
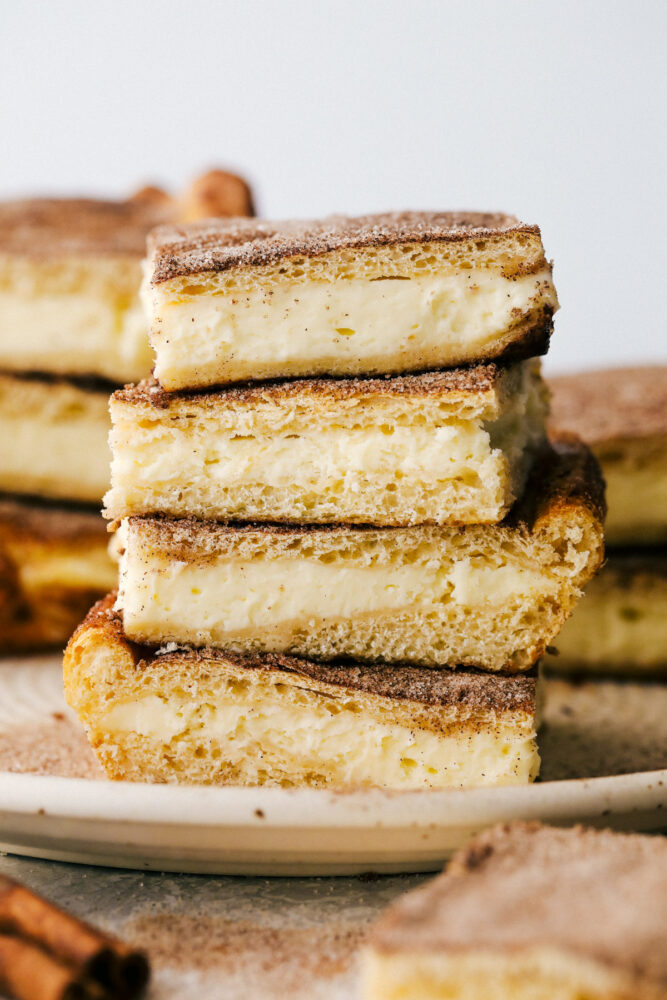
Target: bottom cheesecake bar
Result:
[620, 624]
[530, 913]
[54, 562]
[209, 716]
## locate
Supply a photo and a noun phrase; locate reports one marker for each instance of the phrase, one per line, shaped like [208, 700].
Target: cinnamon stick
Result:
[28, 973]
[120, 970]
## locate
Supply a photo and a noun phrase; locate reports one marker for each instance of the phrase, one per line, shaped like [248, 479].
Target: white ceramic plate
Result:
[590, 730]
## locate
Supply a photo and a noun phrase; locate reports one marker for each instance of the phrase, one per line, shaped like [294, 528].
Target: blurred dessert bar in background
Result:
[621, 624]
[71, 330]
[529, 912]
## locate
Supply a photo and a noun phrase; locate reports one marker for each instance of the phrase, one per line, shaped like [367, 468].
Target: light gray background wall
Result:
[554, 111]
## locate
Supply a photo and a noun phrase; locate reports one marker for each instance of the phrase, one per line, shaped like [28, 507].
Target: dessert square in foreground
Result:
[620, 625]
[215, 717]
[70, 272]
[622, 414]
[400, 292]
[451, 447]
[53, 563]
[485, 596]
[54, 440]
[528, 912]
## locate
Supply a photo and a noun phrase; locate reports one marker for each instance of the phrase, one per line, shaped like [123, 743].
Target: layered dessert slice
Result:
[620, 626]
[70, 272]
[527, 912]
[450, 447]
[487, 596]
[622, 414]
[234, 300]
[54, 440]
[216, 717]
[53, 563]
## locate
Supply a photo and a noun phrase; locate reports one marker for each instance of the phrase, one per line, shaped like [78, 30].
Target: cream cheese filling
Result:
[235, 598]
[74, 334]
[346, 325]
[172, 459]
[66, 458]
[351, 748]
[637, 500]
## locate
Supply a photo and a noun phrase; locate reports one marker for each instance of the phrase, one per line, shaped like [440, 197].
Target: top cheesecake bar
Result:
[239, 299]
[70, 272]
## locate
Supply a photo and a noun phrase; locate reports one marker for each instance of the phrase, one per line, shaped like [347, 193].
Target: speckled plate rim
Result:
[275, 831]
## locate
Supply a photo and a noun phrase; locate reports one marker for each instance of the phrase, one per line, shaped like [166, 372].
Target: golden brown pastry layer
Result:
[488, 596]
[229, 301]
[218, 717]
[451, 447]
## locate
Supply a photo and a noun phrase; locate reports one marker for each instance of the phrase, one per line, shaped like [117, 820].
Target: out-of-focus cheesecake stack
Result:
[344, 540]
[621, 625]
[71, 329]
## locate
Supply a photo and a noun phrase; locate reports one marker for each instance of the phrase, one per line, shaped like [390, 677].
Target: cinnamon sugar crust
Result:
[598, 894]
[43, 227]
[476, 690]
[611, 404]
[457, 381]
[216, 245]
[45, 521]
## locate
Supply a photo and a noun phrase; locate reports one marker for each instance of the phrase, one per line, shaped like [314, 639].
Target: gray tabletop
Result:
[224, 937]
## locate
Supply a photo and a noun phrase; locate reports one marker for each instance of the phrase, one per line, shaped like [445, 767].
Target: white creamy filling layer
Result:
[91, 570]
[75, 334]
[423, 320]
[169, 459]
[637, 500]
[616, 627]
[234, 597]
[66, 458]
[349, 747]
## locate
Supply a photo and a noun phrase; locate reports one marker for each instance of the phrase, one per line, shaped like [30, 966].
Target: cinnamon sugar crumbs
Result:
[279, 961]
[55, 746]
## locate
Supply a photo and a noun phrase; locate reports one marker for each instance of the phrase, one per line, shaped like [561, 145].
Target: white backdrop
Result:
[553, 111]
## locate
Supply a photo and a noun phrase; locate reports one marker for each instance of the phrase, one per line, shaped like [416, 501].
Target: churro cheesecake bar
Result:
[70, 272]
[527, 912]
[53, 563]
[487, 596]
[54, 438]
[395, 293]
[620, 625]
[451, 447]
[622, 414]
[213, 716]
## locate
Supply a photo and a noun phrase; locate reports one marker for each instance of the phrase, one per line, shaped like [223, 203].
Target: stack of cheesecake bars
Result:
[71, 329]
[344, 540]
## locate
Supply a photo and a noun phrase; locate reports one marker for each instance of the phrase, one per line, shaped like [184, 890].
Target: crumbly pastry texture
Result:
[450, 447]
[483, 596]
[620, 625]
[54, 438]
[229, 301]
[53, 563]
[215, 716]
[534, 913]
